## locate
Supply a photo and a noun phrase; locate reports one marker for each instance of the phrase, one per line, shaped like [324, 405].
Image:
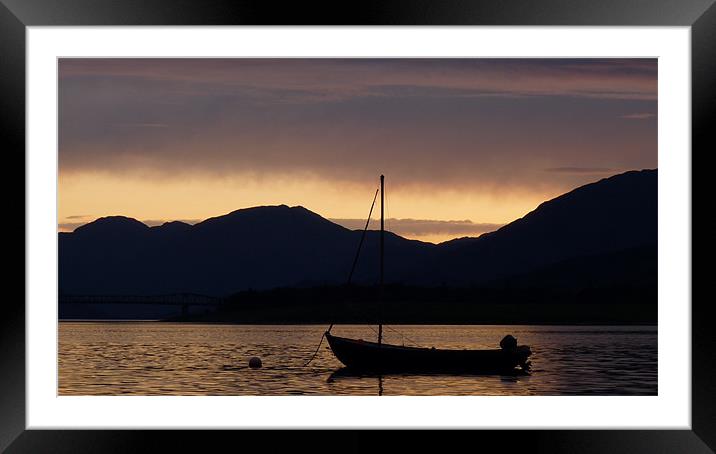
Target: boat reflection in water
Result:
[347, 374]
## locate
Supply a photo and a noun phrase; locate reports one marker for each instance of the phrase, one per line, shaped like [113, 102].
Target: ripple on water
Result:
[176, 359]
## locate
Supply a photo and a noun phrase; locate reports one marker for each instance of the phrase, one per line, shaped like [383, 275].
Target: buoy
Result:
[255, 362]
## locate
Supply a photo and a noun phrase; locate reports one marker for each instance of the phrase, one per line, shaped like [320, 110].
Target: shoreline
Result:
[281, 323]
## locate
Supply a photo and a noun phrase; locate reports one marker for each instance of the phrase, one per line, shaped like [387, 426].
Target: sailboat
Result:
[377, 357]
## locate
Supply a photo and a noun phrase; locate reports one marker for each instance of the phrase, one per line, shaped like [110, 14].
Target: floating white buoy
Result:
[255, 362]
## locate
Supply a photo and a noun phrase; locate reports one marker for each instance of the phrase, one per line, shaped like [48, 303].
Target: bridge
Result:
[184, 300]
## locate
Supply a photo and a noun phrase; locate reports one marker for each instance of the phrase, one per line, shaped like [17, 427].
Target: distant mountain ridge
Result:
[280, 246]
[615, 213]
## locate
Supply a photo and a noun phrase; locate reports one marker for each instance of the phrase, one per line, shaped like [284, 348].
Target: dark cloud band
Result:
[455, 124]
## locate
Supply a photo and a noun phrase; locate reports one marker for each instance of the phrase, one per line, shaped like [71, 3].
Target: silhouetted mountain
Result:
[612, 214]
[280, 246]
[112, 226]
[634, 268]
[173, 226]
[259, 248]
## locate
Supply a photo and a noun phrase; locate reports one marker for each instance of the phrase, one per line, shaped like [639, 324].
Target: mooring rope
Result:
[350, 276]
[403, 336]
[317, 349]
[362, 238]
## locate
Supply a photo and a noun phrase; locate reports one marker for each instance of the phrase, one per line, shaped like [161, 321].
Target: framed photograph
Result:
[412, 216]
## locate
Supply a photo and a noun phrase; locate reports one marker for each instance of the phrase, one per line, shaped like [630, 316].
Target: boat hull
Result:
[363, 356]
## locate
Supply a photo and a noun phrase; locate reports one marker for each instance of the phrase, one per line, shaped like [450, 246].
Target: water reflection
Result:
[346, 374]
[176, 359]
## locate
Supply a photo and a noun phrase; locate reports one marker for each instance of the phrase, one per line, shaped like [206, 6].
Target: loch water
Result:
[156, 358]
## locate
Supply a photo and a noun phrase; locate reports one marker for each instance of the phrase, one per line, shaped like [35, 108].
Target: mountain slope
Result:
[259, 248]
[612, 214]
[280, 246]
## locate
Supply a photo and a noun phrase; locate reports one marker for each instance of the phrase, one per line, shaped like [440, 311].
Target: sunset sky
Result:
[466, 144]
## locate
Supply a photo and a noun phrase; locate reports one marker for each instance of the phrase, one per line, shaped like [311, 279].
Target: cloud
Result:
[424, 227]
[582, 170]
[69, 226]
[639, 116]
[78, 216]
[430, 124]
[334, 79]
[143, 125]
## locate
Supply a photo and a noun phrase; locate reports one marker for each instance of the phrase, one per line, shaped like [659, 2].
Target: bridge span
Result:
[183, 300]
[179, 299]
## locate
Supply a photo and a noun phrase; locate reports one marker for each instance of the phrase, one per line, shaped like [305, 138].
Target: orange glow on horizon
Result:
[86, 197]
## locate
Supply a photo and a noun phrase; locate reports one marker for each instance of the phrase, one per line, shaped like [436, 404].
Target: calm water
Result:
[188, 359]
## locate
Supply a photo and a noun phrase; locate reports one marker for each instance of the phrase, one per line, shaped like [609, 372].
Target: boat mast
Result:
[382, 235]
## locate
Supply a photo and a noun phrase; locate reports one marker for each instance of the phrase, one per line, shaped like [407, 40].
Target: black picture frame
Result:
[16, 15]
